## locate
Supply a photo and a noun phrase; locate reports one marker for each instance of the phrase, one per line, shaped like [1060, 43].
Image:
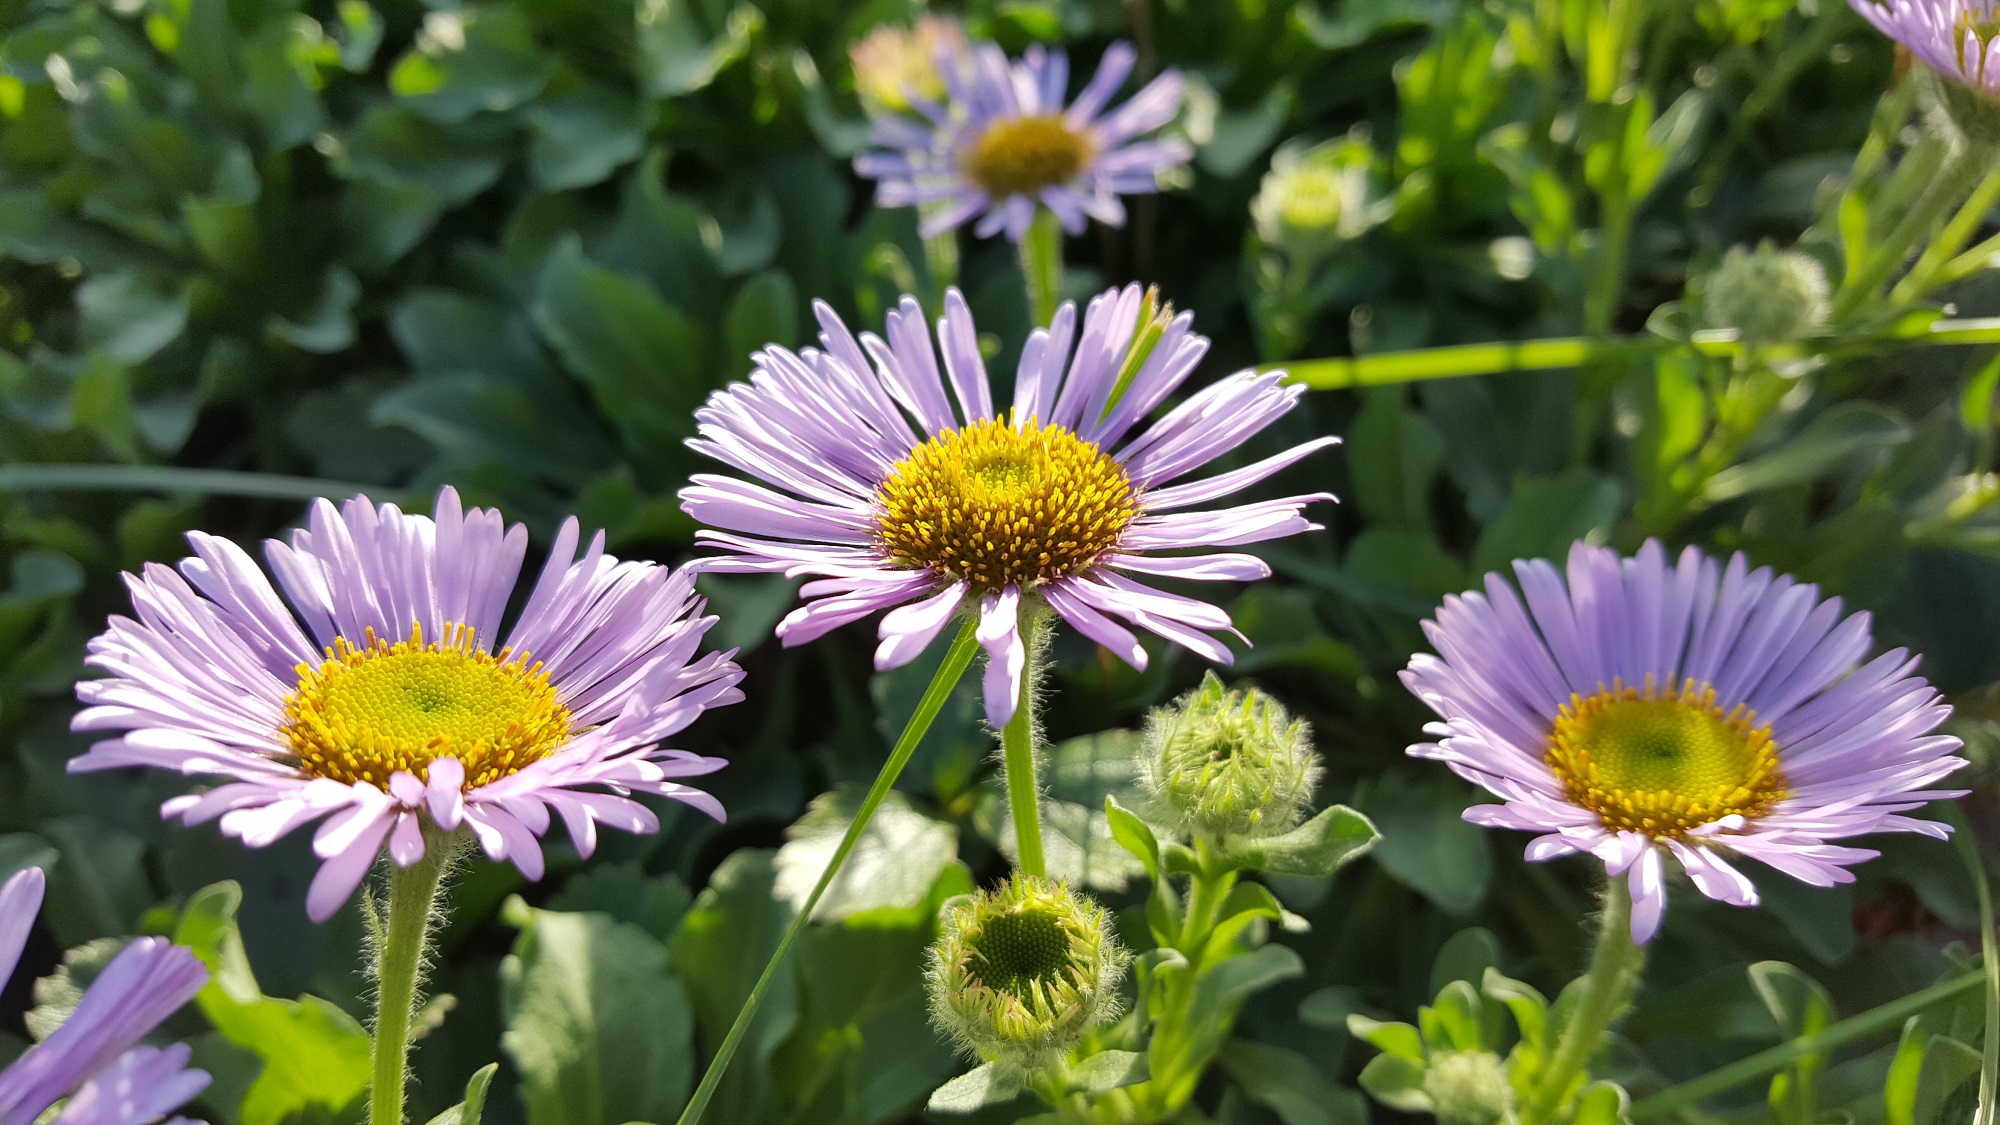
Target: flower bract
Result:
[94, 1063]
[392, 699]
[892, 498]
[1003, 142]
[1645, 711]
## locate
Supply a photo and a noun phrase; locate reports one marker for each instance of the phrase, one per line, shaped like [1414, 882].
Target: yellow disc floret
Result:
[997, 506]
[1023, 155]
[1664, 763]
[370, 711]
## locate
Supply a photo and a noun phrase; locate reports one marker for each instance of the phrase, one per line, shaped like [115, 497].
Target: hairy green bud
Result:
[1768, 295]
[1468, 1088]
[1314, 198]
[1019, 973]
[1230, 763]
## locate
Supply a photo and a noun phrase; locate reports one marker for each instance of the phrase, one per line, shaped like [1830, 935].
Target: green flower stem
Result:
[171, 478]
[1933, 266]
[956, 661]
[1017, 751]
[1207, 888]
[1989, 948]
[1607, 984]
[401, 940]
[1042, 265]
[1944, 192]
[940, 255]
[1505, 357]
[1686, 1095]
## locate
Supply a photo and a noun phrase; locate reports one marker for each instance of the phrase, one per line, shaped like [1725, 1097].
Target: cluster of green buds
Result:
[1020, 973]
[1227, 764]
[1768, 295]
[1316, 197]
[892, 62]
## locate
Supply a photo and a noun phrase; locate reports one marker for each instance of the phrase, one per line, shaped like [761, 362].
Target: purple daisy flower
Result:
[1959, 39]
[894, 500]
[383, 702]
[1646, 711]
[94, 1059]
[1003, 142]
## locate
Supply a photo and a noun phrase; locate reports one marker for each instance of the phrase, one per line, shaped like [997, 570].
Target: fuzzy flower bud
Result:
[893, 62]
[1018, 974]
[1314, 198]
[1768, 295]
[1230, 763]
[1468, 1088]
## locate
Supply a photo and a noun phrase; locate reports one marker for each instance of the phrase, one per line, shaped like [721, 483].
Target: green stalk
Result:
[172, 478]
[1042, 266]
[948, 674]
[1017, 750]
[1944, 192]
[1607, 984]
[1686, 1095]
[1944, 249]
[1207, 889]
[402, 938]
[1989, 949]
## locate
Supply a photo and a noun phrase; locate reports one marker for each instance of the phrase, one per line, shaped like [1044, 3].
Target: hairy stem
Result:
[404, 938]
[948, 674]
[1017, 752]
[1608, 984]
[1042, 265]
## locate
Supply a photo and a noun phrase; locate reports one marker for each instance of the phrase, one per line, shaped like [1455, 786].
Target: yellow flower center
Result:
[1023, 155]
[370, 711]
[997, 506]
[1982, 22]
[1664, 763]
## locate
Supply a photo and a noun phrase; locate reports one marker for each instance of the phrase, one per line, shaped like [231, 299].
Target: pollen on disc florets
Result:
[1663, 763]
[996, 506]
[1018, 974]
[1024, 155]
[372, 710]
[1229, 763]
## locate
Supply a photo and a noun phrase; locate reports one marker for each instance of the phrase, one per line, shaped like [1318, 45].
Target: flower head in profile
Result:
[893, 63]
[385, 703]
[893, 498]
[1647, 711]
[1003, 143]
[1959, 40]
[94, 1059]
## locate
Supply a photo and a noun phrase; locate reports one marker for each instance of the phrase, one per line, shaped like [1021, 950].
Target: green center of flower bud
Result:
[1468, 1088]
[1664, 763]
[1023, 155]
[366, 713]
[1768, 295]
[1017, 953]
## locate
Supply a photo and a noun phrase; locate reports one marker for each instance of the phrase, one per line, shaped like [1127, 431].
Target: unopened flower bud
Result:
[1230, 763]
[1768, 295]
[1018, 974]
[1468, 1088]
[1314, 198]
[893, 62]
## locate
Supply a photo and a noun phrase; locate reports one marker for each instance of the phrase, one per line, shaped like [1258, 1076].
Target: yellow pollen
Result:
[1023, 155]
[1664, 763]
[998, 506]
[367, 712]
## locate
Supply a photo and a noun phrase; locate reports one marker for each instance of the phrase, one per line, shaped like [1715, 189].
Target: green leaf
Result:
[1317, 848]
[892, 867]
[764, 312]
[128, 316]
[470, 60]
[315, 1056]
[1106, 1071]
[597, 1025]
[1948, 1083]
[676, 55]
[1134, 835]
[988, 1084]
[22, 850]
[1466, 956]
[1426, 843]
[1545, 514]
[328, 326]
[1399, 1039]
[1397, 1083]
[721, 948]
[1530, 1007]
[468, 1111]
[654, 903]
[1801, 1008]
[1838, 433]
[1290, 1085]
[576, 140]
[1602, 1103]
[1394, 455]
